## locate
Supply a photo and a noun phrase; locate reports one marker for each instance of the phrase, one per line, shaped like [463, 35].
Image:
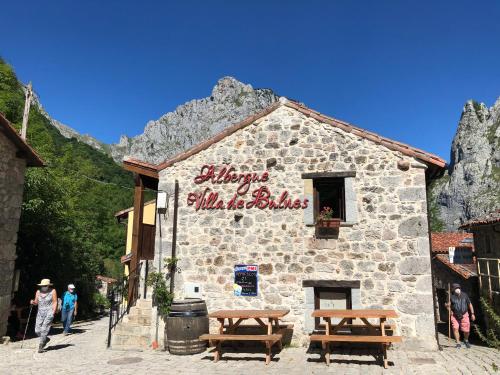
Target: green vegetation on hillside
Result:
[67, 230]
[436, 223]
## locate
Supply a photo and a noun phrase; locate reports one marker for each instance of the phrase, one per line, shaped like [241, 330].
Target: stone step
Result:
[139, 312]
[144, 320]
[127, 348]
[119, 341]
[132, 329]
[144, 303]
[140, 320]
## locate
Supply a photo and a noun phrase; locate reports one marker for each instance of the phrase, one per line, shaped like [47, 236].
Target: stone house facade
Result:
[15, 156]
[379, 257]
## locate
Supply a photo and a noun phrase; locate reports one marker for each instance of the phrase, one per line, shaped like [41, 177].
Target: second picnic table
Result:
[378, 331]
[267, 319]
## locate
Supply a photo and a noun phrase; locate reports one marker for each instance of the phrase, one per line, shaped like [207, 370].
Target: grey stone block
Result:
[415, 266]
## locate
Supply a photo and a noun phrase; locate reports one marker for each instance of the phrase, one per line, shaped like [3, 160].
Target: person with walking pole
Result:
[46, 300]
[27, 324]
[460, 306]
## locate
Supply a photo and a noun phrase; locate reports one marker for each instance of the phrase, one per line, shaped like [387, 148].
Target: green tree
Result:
[67, 229]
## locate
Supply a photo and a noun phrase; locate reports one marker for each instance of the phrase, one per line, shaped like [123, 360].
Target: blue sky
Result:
[400, 68]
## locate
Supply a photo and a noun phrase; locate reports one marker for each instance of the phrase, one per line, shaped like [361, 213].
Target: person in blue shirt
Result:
[69, 308]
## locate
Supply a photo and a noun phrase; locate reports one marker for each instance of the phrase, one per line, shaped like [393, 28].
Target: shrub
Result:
[490, 337]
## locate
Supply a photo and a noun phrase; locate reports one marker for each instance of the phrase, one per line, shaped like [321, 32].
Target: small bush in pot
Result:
[326, 219]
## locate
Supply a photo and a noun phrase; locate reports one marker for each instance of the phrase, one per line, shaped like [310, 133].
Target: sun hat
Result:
[45, 282]
[71, 286]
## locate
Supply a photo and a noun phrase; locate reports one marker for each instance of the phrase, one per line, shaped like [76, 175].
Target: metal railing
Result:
[489, 268]
[119, 299]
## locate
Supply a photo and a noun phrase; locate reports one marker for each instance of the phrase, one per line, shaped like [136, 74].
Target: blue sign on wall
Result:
[245, 280]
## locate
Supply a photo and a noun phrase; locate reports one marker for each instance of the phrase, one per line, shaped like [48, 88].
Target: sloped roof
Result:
[136, 165]
[441, 241]
[491, 218]
[25, 150]
[124, 213]
[464, 270]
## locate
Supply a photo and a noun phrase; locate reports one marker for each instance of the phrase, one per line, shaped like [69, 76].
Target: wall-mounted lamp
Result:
[162, 202]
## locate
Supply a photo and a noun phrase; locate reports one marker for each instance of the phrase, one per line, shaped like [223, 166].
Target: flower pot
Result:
[329, 223]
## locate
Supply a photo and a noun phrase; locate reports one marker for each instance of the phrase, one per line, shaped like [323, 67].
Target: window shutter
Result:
[351, 203]
[309, 195]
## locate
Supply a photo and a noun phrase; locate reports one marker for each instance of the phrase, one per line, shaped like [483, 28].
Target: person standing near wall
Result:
[460, 321]
[69, 308]
[46, 300]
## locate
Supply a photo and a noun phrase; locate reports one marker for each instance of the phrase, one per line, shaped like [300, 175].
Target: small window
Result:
[330, 193]
[329, 198]
[487, 244]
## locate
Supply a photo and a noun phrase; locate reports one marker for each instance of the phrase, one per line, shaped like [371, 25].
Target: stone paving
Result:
[85, 353]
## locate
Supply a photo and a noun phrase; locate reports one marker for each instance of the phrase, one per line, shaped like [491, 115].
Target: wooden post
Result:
[490, 294]
[479, 275]
[136, 237]
[27, 104]
[498, 274]
[449, 311]
[174, 234]
[328, 329]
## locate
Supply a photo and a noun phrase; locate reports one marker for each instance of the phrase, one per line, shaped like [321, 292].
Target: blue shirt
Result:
[69, 301]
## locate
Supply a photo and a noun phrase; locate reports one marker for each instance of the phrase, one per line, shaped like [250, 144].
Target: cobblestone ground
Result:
[85, 353]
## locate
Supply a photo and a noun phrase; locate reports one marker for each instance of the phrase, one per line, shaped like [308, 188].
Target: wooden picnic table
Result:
[377, 331]
[267, 319]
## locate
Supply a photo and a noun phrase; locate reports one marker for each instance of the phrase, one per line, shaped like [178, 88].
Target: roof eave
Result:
[436, 164]
[140, 167]
[25, 151]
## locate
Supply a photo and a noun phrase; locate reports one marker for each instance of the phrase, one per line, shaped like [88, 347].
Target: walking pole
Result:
[27, 324]
[449, 311]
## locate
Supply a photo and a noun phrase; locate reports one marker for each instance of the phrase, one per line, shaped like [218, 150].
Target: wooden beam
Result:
[136, 235]
[139, 169]
[331, 283]
[328, 174]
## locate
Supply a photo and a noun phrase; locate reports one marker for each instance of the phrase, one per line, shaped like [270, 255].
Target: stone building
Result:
[15, 156]
[253, 195]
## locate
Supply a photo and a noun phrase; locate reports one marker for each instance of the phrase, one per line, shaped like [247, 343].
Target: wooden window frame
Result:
[318, 325]
[340, 182]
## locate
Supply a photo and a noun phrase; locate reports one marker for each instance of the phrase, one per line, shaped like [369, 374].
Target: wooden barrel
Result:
[187, 321]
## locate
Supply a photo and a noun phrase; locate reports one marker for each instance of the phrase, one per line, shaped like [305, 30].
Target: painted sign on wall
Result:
[245, 280]
[261, 197]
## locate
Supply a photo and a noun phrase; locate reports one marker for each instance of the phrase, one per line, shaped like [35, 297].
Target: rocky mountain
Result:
[69, 132]
[230, 102]
[471, 186]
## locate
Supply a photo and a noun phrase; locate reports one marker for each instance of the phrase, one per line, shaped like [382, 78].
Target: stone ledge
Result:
[331, 283]
[345, 224]
[328, 174]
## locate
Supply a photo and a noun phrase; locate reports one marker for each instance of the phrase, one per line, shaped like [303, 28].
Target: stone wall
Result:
[11, 195]
[386, 248]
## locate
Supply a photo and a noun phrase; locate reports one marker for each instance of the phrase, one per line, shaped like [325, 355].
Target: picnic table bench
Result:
[227, 332]
[377, 331]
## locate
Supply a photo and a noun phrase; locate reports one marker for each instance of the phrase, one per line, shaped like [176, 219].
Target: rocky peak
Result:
[472, 184]
[230, 102]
